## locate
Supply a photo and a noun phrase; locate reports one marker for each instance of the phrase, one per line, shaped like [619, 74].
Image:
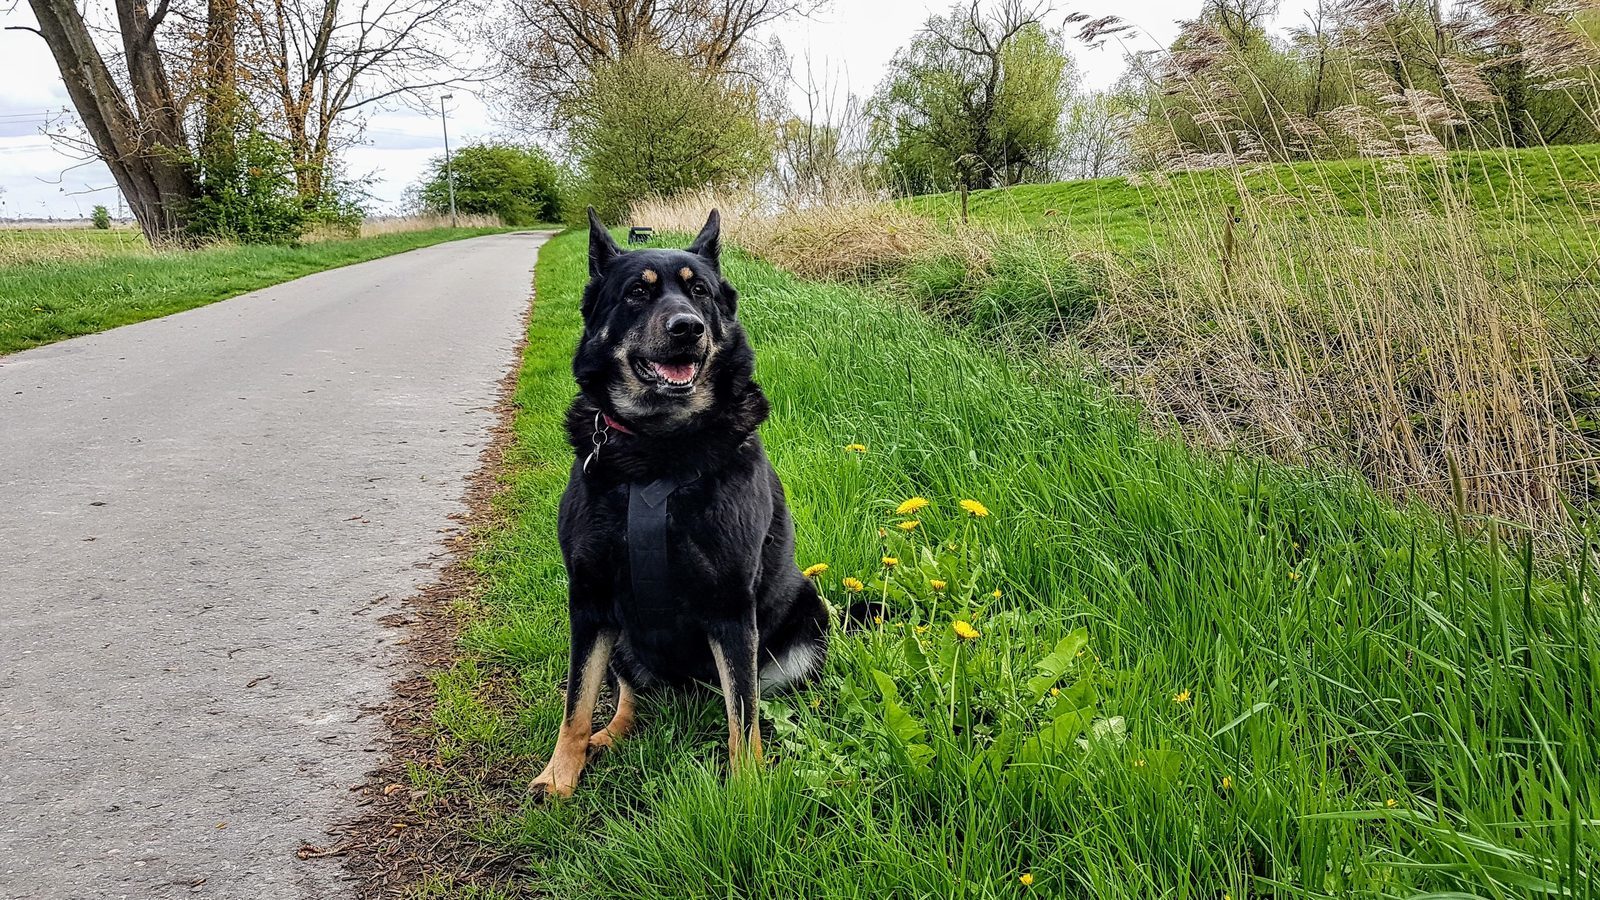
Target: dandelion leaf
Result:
[1056, 664]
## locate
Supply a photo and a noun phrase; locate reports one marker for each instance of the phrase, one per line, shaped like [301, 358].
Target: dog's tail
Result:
[856, 616]
[862, 613]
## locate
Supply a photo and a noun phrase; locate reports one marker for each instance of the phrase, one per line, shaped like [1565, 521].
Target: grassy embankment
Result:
[61, 284]
[1405, 318]
[1503, 185]
[1200, 677]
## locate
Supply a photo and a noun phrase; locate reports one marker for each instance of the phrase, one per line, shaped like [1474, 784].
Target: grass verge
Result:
[1180, 676]
[58, 298]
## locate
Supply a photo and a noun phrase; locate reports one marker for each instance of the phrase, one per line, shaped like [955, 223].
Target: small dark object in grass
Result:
[640, 234]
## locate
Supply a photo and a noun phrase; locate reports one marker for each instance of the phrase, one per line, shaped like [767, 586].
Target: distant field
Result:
[57, 284]
[21, 246]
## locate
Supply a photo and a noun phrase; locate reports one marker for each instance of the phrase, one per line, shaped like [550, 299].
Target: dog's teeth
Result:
[676, 375]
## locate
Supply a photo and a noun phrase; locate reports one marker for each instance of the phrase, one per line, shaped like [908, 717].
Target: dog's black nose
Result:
[686, 325]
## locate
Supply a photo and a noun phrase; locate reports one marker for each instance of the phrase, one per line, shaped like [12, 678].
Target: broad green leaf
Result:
[916, 658]
[899, 722]
[1056, 664]
[1081, 695]
[1054, 738]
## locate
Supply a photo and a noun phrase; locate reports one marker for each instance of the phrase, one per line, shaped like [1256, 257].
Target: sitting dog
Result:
[676, 537]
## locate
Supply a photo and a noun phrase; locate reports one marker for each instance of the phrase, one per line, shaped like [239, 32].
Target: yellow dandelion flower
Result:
[877, 620]
[964, 630]
[851, 584]
[1227, 897]
[814, 571]
[937, 585]
[1138, 763]
[912, 506]
[1026, 879]
[922, 629]
[891, 561]
[856, 448]
[1227, 782]
[908, 525]
[816, 703]
[1294, 576]
[978, 510]
[1182, 696]
[1055, 692]
[1391, 803]
[996, 594]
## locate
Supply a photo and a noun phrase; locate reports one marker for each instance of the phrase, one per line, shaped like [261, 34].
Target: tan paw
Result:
[546, 790]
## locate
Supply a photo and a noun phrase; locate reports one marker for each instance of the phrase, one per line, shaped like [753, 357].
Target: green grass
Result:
[87, 281]
[21, 244]
[1398, 708]
[1544, 185]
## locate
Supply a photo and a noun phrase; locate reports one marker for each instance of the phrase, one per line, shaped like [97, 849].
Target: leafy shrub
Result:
[520, 184]
[249, 194]
[101, 218]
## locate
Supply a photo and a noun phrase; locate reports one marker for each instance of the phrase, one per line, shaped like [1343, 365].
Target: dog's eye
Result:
[638, 293]
[698, 288]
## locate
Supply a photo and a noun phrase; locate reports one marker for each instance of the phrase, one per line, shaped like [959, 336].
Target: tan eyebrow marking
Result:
[686, 273]
[649, 276]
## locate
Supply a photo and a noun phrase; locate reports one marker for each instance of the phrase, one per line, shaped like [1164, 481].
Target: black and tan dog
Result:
[676, 536]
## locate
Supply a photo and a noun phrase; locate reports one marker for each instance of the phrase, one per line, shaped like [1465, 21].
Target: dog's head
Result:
[660, 337]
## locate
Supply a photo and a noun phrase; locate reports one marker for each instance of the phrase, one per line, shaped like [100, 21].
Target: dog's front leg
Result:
[591, 653]
[733, 646]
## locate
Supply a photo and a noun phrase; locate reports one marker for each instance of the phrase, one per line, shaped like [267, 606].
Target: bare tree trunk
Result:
[146, 152]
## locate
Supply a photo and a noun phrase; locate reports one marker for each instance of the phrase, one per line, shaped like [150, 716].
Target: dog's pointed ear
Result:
[602, 249]
[708, 243]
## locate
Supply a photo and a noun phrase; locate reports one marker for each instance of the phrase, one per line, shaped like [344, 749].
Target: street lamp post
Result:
[449, 177]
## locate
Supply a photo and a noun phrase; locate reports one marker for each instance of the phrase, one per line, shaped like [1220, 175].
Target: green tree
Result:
[652, 124]
[977, 97]
[520, 184]
[101, 217]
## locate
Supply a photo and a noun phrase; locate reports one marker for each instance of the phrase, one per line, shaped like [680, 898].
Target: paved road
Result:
[197, 515]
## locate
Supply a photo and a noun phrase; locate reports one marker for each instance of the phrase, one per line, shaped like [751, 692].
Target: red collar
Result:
[614, 425]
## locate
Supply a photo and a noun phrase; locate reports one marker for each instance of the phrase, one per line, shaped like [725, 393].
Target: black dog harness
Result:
[647, 543]
[649, 563]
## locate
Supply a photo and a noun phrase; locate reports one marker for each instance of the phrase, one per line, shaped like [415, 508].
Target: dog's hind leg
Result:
[591, 654]
[733, 646]
[621, 723]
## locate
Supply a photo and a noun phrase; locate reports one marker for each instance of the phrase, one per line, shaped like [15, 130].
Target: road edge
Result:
[398, 839]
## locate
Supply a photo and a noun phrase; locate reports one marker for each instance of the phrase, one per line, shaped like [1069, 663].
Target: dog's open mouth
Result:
[676, 377]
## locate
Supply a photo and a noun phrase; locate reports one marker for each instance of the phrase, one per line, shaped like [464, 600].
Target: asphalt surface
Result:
[202, 519]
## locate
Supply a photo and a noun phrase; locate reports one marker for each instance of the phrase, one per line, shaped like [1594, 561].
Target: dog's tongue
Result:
[679, 372]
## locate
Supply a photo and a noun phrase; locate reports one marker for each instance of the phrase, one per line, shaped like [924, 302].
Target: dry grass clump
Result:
[401, 224]
[855, 235]
[1405, 346]
[395, 225]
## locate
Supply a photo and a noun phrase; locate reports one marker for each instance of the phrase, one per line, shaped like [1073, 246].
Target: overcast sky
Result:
[853, 40]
